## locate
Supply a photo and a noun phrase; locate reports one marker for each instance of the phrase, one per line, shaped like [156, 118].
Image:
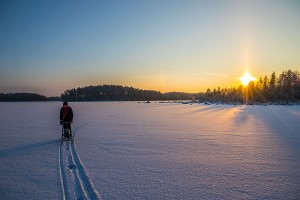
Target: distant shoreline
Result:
[26, 97]
[188, 102]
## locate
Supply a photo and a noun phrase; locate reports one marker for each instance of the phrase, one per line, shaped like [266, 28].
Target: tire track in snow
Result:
[83, 187]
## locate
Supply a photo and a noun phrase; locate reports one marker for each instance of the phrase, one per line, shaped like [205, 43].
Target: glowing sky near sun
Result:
[246, 78]
[50, 46]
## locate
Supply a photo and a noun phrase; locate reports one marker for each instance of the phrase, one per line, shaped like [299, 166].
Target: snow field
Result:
[126, 150]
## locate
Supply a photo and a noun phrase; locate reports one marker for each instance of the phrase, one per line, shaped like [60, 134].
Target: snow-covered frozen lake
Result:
[130, 150]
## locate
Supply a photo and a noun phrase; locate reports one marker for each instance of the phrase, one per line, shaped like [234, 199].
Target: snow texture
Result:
[130, 150]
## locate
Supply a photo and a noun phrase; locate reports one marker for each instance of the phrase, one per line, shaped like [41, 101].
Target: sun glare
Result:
[247, 78]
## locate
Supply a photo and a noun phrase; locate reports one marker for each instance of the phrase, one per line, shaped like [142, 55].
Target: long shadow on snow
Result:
[12, 151]
[273, 119]
[215, 108]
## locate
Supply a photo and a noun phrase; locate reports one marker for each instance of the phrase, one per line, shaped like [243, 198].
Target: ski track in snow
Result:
[62, 174]
[71, 165]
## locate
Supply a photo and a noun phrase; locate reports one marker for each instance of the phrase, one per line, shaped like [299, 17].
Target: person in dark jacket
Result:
[66, 115]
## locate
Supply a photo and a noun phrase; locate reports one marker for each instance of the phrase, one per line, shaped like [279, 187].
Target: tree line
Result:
[121, 93]
[282, 89]
[22, 97]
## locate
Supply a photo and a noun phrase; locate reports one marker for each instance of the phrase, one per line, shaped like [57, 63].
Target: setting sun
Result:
[247, 78]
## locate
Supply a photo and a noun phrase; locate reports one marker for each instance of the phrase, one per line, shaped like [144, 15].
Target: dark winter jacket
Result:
[66, 114]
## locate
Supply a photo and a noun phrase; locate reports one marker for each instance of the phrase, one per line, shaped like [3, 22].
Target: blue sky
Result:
[166, 45]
